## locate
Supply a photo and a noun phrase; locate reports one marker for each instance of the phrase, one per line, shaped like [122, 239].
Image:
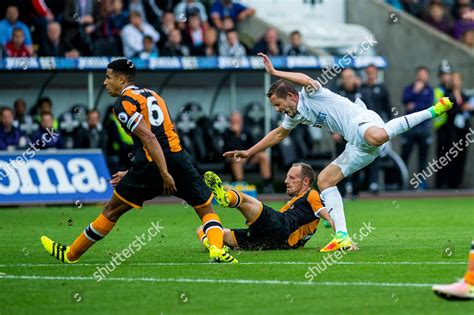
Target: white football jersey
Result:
[327, 110]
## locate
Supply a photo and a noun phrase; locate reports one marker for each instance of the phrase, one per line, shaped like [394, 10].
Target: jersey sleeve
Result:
[127, 114]
[289, 123]
[311, 92]
[315, 202]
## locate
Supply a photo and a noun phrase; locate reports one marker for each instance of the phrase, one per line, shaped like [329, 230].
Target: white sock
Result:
[333, 201]
[399, 125]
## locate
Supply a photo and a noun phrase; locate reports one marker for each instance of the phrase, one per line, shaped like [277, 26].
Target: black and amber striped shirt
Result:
[135, 105]
[301, 215]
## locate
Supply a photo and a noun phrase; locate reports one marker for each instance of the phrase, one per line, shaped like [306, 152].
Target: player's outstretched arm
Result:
[295, 77]
[156, 152]
[272, 138]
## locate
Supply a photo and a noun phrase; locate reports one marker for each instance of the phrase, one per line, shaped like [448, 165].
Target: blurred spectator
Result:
[10, 135]
[227, 25]
[210, 47]
[459, 4]
[93, 134]
[296, 48]
[233, 47]
[375, 94]
[148, 9]
[270, 44]
[194, 34]
[174, 47]
[149, 48]
[185, 9]
[23, 120]
[416, 97]
[349, 87]
[468, 38]
[11, 22]
[167, 24]
[115, 18]
[47, 135]
[44, 105]
[53, 46]
[79, 23]
[461, 126]
[464, 23]
[223, 8]
[238, 138]
[133, 34]
[16, 46]
[437, 17]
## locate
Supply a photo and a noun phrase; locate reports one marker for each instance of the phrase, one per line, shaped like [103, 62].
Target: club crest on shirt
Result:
[123, 117]
[320, 120]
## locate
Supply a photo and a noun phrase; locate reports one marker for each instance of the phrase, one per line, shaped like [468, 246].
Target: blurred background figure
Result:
[174, 47]
[270, 44]
[11, 22]
[194, 34]
[166, 26]
[53, 46]
[11, 137]
[296, 47]
[418, 96]
[149, 48]
[238, 138]
[233, 47]
[133, 34]
[223, 8]
[187, 8]
[47, 136]
[16, 46]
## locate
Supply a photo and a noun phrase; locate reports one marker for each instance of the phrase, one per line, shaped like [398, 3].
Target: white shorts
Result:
[358, 153]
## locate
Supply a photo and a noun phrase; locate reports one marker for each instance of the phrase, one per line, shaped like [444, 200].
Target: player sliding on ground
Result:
[159, 164]
[290, 227]
[363, 129]
[464, 288]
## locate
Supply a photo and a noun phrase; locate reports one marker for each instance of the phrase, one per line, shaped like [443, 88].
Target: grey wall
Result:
[406, 43]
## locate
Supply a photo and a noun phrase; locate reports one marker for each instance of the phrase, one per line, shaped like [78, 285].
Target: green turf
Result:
[430, 230]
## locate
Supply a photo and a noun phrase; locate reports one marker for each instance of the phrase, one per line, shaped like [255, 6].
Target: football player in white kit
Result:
[364, 130]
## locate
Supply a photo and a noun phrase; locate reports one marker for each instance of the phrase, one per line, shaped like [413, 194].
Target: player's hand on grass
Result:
[169, 186]
[237, 154]
[117, 177]
[267, 63]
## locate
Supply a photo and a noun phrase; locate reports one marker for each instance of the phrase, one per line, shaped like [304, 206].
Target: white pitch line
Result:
[253, 263]
[222, 281]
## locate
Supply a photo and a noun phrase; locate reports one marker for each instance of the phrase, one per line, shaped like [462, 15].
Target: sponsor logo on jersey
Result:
[320, 120]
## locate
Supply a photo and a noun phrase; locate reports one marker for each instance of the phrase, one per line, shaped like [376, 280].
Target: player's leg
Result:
[379, 135]
[463, 289]
[237, 169]
[94, 232]
[350, 161]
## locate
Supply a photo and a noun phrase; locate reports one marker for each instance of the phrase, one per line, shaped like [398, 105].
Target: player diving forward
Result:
[363, 129]
[158, 161]
[291, 227]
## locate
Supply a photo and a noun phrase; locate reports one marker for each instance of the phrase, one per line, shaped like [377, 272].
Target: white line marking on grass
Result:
[224, 281]
[254, 263]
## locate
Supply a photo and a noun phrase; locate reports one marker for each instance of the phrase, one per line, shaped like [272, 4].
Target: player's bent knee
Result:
[376, 136]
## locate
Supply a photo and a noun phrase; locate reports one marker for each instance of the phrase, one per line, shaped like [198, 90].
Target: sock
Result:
[212, 227]
[235, 198]
[96, 231]
[399, 125]
[201, 235]
[469, 276]
[333, 201]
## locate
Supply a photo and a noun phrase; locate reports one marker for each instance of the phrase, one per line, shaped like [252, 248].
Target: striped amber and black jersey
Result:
[135, 105]
[302, 217]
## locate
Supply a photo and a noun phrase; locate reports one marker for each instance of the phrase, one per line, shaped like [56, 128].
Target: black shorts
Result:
[143, 183]
[269, 231]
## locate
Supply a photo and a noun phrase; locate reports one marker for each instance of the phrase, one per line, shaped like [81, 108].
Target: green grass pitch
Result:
[415, 243]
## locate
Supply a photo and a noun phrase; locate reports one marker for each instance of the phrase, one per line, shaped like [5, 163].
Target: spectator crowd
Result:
[452, 17]
[133, 28]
